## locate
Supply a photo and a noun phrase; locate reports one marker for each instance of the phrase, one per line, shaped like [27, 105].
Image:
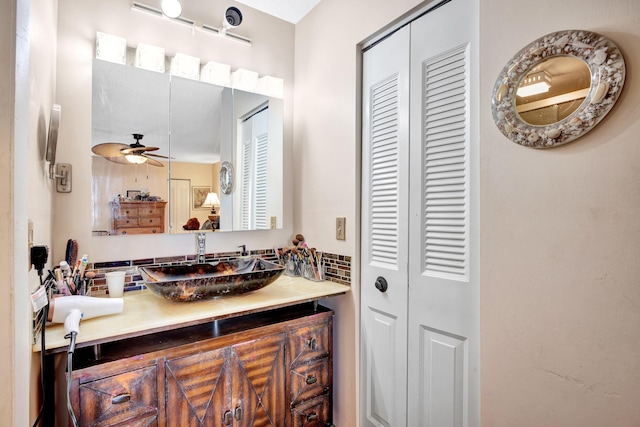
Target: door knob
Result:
[381, 284]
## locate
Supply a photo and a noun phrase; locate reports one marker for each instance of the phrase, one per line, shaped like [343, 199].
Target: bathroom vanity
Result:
[262, 358]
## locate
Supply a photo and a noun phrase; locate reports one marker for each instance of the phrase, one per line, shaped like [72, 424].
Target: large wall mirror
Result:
[187, 128]
[557, 88]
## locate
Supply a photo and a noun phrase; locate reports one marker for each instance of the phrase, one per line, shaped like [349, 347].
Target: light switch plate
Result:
[340, 228]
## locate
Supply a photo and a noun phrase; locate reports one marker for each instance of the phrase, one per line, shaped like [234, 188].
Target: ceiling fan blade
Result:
[157, 155]
[137, 149]
[153, 162]
[109, 149]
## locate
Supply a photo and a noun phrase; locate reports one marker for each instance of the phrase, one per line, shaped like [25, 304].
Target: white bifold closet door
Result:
[431, 303]
[385, 226]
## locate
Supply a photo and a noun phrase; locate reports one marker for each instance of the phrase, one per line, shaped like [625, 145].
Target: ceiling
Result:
[287, 10]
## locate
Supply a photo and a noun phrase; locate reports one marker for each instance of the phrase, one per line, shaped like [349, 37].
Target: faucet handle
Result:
[244, 250]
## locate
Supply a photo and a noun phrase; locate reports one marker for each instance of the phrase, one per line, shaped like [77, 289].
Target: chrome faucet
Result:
[201, 240]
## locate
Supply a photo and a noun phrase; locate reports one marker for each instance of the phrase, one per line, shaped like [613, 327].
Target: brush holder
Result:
[293, 268]
[313, 272]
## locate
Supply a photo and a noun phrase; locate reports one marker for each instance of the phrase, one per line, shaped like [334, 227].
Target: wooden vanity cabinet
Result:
[240, 385]
[137, 217]
[264, 369]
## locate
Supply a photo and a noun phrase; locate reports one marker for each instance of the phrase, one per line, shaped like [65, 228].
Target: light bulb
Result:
[171, 8]
[135, 158]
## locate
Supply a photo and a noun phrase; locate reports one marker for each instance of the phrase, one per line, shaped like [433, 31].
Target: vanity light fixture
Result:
[212, 201]
[171, 8]
[535, 84]
[135, 159]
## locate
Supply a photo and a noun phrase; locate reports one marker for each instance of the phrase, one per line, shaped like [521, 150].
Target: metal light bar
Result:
[233, 36]
[141, 7]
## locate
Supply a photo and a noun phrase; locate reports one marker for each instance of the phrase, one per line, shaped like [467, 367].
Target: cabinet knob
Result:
[312, 343]
[311, 417]
[311, 379]
[227, 418]
[238, 413]
[121, 398]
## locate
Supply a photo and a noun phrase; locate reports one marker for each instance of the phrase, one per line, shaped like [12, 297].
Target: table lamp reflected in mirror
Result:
[212, 201]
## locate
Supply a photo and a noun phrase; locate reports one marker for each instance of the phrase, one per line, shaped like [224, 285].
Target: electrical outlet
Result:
[274, 223]
[340, 228]
[30, 240]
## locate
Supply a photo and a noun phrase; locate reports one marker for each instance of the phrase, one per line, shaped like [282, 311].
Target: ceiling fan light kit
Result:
[135, 153]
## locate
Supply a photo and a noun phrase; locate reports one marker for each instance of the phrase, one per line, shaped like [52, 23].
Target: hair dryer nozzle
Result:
[88, 307]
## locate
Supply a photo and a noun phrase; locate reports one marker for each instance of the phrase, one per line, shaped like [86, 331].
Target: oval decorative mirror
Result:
[226, 177]
[557, 88]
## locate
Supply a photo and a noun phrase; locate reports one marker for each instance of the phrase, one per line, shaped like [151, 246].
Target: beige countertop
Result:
[145, 312]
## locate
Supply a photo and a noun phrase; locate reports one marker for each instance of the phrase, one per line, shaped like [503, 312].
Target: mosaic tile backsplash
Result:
[338, 267]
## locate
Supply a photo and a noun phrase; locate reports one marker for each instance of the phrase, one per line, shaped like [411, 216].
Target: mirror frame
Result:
[607, 68]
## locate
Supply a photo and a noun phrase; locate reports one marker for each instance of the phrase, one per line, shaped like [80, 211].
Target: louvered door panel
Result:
[385, 210]
[246, 179]
[443, 278]
[384, 172]
[260, 200]
[445, 165]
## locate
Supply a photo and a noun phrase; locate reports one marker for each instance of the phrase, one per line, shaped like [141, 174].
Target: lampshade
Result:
[212, 201]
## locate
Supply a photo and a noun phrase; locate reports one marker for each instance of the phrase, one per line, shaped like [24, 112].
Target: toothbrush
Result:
[83, 265]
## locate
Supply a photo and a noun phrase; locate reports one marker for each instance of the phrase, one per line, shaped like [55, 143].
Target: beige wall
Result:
[7, 286]
[559, 289]
[270, 54]
[29, 48]
[42, 77]
[560, 314]
[326, 153]
[560, 296]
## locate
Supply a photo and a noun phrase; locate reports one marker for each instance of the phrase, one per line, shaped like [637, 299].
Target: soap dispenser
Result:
[244, 254]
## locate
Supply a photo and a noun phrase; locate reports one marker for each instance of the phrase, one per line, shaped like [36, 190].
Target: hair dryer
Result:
[71, 309]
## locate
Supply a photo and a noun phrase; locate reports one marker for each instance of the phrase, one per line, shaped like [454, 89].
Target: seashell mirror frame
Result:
[607, 68]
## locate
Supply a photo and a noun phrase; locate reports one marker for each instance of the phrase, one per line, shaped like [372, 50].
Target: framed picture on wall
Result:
[198, 196]
[133, 194]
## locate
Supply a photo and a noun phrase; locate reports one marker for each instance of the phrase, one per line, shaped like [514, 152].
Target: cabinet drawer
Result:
[121, 212]
[309, 342]
[309, 381]
[144, 212]
[311, 413]
[139, 230]
[149, 221]
[126, 222]
[128, 398]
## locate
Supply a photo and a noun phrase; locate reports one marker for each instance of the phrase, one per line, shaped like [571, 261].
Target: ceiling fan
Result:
[127, 154]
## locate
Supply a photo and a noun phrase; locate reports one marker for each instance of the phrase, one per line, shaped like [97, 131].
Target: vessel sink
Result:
[210, 280]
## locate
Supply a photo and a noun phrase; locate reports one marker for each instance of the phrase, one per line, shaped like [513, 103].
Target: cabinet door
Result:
[242, 385]
[198, 389]
[258, 385]
[128, 398]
